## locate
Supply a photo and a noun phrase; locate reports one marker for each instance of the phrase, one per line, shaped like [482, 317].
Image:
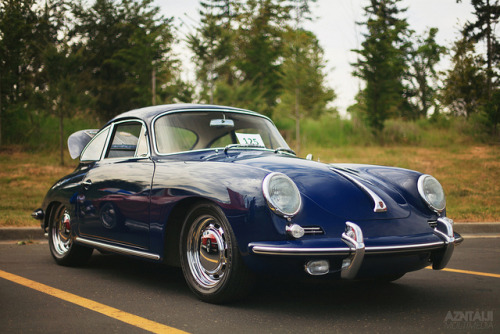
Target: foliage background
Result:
[69, 65]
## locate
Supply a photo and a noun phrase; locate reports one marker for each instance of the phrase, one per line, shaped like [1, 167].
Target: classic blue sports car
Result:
[217, 191]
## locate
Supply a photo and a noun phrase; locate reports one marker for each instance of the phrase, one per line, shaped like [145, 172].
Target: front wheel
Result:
[210, 258]
[62, 248]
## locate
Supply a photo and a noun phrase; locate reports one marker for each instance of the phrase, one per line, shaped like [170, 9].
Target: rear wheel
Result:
[62, 248]
[216, 272]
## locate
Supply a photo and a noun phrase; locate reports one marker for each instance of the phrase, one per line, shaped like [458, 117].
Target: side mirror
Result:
[309, 156]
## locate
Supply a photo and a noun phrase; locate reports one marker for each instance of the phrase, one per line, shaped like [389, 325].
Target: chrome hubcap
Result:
[61, 238]
[207, 252]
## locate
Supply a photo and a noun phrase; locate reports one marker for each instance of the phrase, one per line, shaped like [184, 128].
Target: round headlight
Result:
[431, 192]
[282, 194]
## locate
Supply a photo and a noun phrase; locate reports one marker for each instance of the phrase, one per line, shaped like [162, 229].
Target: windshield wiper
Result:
[230, 146]
[285, 149]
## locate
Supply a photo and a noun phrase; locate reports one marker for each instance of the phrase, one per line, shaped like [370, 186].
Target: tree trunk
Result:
[0, 109]
[297, 120]
[153, 86]
[61, 137]
[489, 52]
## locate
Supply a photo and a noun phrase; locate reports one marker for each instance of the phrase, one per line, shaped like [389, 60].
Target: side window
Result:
[94, 149]
[173, 136]
[125, 139]
[142, 145]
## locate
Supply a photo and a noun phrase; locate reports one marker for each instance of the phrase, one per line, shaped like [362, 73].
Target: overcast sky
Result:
[338, 33]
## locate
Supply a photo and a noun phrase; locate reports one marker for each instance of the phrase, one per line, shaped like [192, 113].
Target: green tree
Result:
[212, 45]
[304, 93]
[260, 46]
[240, 44]
[294, 68]
[422, 75]
[487, 14]
[239, 94]
[464, 85]
[382, 61]
[19, 59]
[63, 94]
[122, 44]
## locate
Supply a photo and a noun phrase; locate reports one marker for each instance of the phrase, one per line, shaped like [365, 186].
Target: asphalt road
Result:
[144, 293]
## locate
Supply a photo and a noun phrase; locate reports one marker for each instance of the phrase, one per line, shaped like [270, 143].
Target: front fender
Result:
[64, 191]
[236, 189]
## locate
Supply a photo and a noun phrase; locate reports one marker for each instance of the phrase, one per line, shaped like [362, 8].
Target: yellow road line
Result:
[477, 273]
[112, 312]
[206, 258]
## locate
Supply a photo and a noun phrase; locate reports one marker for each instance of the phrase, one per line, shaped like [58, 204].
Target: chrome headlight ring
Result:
[431, 192]
[281, 194]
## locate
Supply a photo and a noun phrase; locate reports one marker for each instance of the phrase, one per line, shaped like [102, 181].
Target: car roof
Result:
[148, 113]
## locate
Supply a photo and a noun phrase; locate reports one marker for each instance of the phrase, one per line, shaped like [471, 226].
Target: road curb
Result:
[21, 233]
[36, 233]
[477, 228]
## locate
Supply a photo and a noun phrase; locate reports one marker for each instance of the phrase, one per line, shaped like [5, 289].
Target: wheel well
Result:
[173, 228]
[48, 213]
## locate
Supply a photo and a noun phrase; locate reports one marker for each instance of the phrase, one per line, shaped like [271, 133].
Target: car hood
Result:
[339, 190]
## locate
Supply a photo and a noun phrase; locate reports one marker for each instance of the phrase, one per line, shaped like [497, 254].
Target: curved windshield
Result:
[187, 131]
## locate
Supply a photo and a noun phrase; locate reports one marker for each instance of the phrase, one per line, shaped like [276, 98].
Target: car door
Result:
[115, 194]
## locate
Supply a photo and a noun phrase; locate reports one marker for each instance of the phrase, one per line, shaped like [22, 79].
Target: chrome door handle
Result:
[86, 184]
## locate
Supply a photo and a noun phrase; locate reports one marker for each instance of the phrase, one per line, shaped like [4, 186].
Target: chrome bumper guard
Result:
[353, 237]
[444, 230]
[356, 249]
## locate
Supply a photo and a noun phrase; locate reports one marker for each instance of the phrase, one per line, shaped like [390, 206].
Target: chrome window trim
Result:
[109, 128]
[117, 249]
[143, 134]
[216, 150]
[237, 111]
[113, 126]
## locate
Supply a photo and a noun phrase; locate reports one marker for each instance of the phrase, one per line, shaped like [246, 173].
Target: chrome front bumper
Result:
[355, 250]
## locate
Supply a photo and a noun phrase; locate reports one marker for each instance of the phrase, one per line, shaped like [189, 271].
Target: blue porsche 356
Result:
[217, 191]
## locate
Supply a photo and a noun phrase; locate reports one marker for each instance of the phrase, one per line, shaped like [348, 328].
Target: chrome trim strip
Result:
[271, 250]
[313, 230]
[117, 249]
[403, 248]
[380, 205]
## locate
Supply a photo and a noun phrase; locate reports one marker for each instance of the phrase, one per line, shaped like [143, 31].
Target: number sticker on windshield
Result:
[250, 139]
